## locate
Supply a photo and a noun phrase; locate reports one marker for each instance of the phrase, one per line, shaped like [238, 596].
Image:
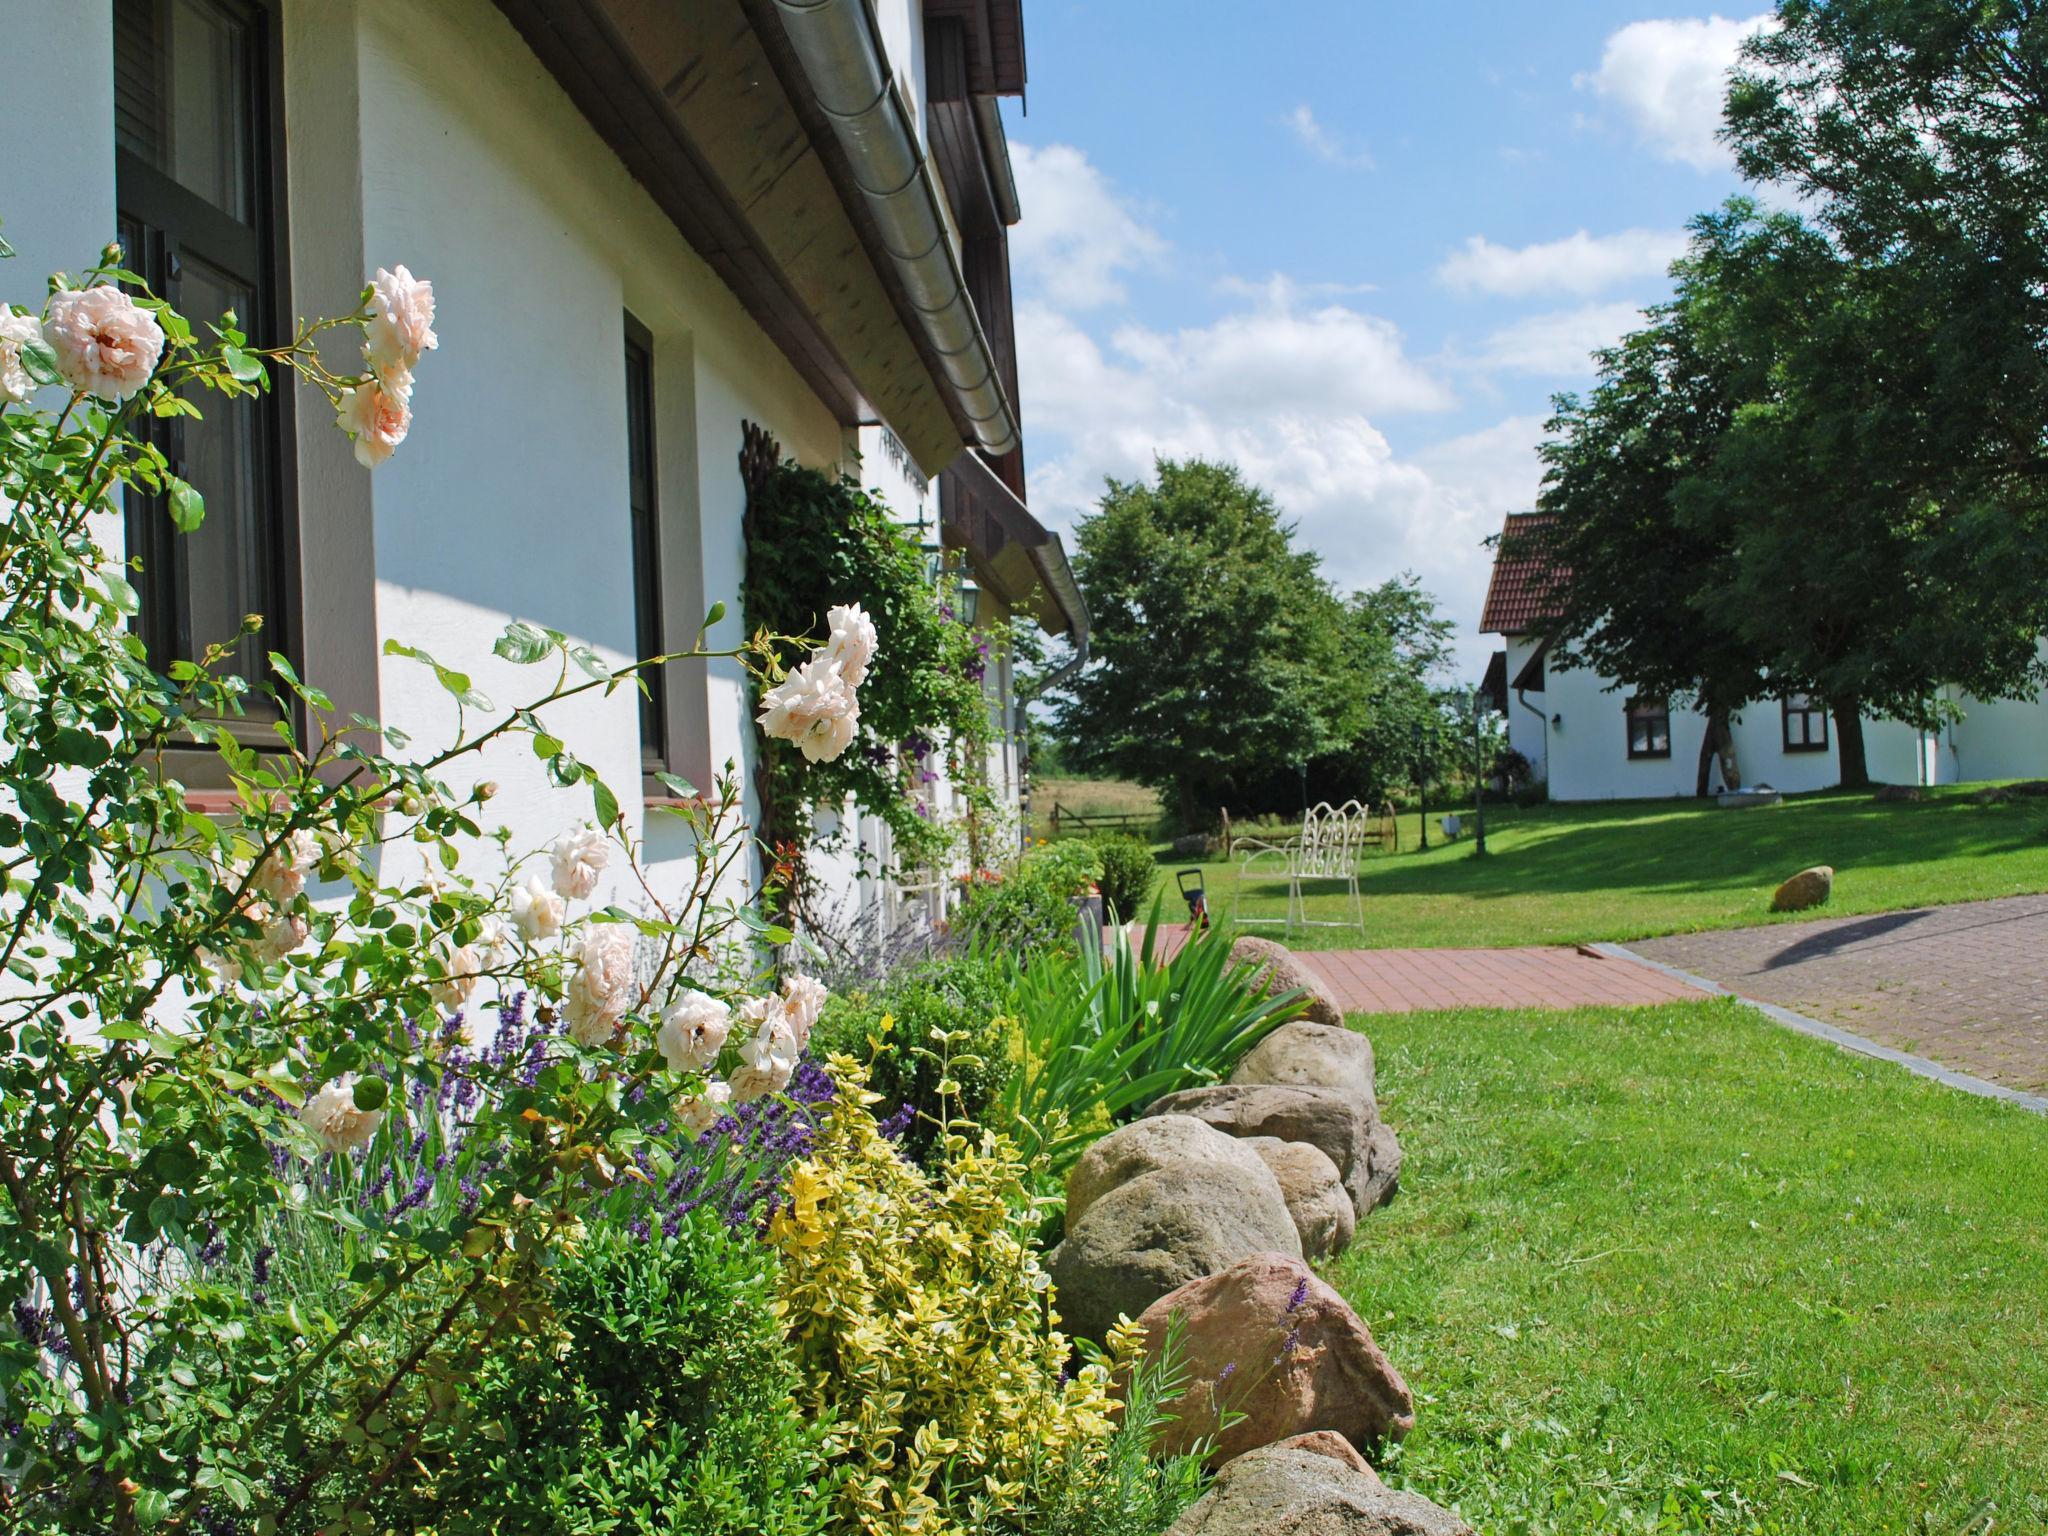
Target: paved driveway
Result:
[1966, 985]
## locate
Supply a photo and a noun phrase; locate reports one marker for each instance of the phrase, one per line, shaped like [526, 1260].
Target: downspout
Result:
[840, 48]
[1542, 719]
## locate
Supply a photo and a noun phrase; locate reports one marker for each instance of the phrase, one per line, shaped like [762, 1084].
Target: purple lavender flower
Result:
[1295, 1301]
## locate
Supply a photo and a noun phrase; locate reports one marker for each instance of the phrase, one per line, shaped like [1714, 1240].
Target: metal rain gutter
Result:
[840, 48]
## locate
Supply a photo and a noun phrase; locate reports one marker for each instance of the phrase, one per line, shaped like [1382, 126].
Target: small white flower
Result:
[463, 967]
[772, 1047]
[282, 874]
[107, 345]
[401, 320]
[699, 1111]
[20, 684]
[852, 642]
[579, 857]
[750, 1083]
[604, 985]
[803, 1000]
[815, 707]
[694, 1031]
[283, 933]
[16, 332]
[537, 911]
[494, 942]
[331, 1114]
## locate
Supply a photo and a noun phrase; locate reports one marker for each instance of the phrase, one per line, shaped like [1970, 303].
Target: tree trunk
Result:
[1717, 744]
[1849, 744]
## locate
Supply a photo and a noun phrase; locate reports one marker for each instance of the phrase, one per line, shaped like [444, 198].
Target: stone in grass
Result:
[1282, 971]
[1898, 794]
[1146, 1146]
[1305, 1054]
[1991, 794]
[1280, 1491]
[1310, 1184]
[1162, 1229]
[1368, 1158]
[1809, 888]
[1268, 1341]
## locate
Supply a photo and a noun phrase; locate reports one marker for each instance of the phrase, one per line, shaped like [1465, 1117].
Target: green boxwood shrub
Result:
[1032, 906]
[904, 1059]
[1128, 874]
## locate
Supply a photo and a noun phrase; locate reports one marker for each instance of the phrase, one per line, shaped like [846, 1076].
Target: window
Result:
[1649, 728]
[1806, 724]
[197, 181]
[646, 539]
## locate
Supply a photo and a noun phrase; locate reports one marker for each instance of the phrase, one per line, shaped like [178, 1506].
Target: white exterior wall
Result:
[1580, 742]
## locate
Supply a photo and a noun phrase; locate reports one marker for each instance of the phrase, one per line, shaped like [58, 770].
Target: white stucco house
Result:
[1592, 738]
[649, 226]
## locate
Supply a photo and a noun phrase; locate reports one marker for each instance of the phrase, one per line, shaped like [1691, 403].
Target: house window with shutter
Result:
[646, 528]
[1649, 728]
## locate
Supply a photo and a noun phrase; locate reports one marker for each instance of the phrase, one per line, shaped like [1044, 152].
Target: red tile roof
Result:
[1526, 582]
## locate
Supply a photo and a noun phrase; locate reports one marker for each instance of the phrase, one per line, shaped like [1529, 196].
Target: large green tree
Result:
[1218, 648]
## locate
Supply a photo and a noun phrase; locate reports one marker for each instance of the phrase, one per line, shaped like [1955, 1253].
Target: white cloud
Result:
[1669, 77]
[1325, 143]
[1558, 342]
[1581, 263]
[1077, 238]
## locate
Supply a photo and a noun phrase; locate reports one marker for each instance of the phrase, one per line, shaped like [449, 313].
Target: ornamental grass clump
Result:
[924, 1327]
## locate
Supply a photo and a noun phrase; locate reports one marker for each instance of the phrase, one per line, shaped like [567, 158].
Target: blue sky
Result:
[1352, 244]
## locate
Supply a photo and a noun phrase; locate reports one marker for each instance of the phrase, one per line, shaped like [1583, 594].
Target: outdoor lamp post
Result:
[1478, 779]
[1421, 782]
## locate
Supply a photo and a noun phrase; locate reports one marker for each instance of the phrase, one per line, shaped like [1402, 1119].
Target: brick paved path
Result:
[1966, 985]
[1404, 980]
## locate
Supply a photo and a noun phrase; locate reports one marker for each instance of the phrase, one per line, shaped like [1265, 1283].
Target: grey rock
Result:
[1368, 1159]
[1283, 971]
[1146, 1146]
[1159, 1231]
[1305, 1054]
[1277, 1491]
[1310, 1183]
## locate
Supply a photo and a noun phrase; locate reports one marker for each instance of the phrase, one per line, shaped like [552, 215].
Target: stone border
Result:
[1920, 1066]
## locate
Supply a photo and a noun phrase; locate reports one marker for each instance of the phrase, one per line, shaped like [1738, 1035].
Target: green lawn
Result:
[1625, 870]
[1679, 1265]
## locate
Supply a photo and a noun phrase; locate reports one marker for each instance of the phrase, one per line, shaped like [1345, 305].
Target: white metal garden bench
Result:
[1328, 849]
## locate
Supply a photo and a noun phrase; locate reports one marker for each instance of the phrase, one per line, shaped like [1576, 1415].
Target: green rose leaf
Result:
[522, 643]
[370, 1093]
[188, 507]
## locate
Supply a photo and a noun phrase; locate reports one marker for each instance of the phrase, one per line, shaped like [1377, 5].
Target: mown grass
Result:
[1571, 874]
[1677, 1269]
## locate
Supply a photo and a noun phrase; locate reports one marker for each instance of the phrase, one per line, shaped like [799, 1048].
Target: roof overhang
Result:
[1014, 555]
[710, 110]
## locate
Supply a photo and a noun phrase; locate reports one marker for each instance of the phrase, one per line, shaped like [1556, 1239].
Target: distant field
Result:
[1091, 797]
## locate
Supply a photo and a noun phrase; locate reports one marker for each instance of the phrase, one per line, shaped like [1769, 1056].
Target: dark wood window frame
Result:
[1804, 726]
[643, 500]
[1656, 739]
[166, 224]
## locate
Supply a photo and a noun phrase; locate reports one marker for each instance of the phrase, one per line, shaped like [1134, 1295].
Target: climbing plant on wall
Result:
[816, 539]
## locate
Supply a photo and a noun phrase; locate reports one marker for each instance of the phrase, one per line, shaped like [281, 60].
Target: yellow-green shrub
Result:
[923, 1326]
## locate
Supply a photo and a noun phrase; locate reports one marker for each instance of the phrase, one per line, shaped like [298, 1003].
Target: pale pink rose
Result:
[604, 985]
[463, 966]
[852, 642]
[815, 707]
[283, 934]
[401, 321]
[773, 1046]
[537, 911]
[377, 417]
[282, 874]
[16, 332]
[803, 999]
[694, 1031]
[579, 857]
[698, 1112]
[331, 1114]
[107, 345]
[751, 1083]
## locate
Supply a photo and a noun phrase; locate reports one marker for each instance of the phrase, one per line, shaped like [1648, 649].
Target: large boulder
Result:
[1325, 1442]
[1160, 1230]
[1280, 1491]
[1809, 888]
[1283, 972]
[1367, 1159]
[1146, 1146]
[1265, 1339]
[1309, 1182]
[1305, 1054]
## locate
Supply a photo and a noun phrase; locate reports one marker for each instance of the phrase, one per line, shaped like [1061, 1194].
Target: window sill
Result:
[1822, 747]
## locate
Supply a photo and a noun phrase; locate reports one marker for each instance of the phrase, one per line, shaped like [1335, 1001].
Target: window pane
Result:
[646, 539]
[182, 96]
[225, 564]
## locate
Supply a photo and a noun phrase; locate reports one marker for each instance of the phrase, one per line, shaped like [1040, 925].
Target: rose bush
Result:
[205, 1019]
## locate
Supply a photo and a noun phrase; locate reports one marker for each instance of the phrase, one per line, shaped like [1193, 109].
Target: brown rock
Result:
[1146, 1146]
[1276, 1492]
[1306, 1054]
[1991, 794]
[1327, 1442]
[1312, 1187]
[1283, 972]
[1898, 794]
[1809, 888]
[1269, 1341]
